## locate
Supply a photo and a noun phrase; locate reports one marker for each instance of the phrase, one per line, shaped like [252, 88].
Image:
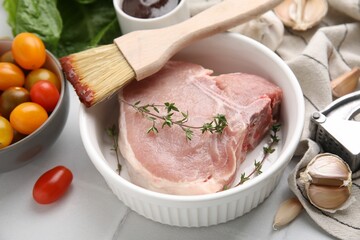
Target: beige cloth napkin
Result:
[316, 57]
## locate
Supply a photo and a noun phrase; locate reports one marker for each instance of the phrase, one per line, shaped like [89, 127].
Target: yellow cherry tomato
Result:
[6, 133]
[39, 75]
[28, 51]
[27, 117]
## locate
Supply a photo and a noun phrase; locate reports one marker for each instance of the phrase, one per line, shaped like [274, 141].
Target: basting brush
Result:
[98, 73]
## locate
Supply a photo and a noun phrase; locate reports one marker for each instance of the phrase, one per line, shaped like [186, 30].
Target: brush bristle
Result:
[97, 73]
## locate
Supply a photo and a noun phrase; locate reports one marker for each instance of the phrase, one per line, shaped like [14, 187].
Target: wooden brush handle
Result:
[148, 50]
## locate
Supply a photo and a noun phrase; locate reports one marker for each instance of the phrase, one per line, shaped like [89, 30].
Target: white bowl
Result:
[129, 24]
[223, 53]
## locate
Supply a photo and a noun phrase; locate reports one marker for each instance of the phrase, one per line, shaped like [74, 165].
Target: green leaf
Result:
[276, 127]
[258, 166]
[153, 129]
[114, 134]
[151, 118]
[11, 8]
[171, 107]
[85, 1]
[112, 131]
[243, 178]
[166, 123]
[274, 138]
[144, 109]
[92, 24]
[37, 16]
[217, 125]
[65, 26]
[189, 133]
[268, 150]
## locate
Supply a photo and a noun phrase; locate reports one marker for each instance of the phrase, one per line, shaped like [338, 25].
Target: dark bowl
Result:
[24, 151]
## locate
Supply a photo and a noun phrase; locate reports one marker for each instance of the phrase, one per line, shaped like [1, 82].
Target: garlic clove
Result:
[301, 14]
[329, 170]
[346, 83]
[287, 212]
[327, 197]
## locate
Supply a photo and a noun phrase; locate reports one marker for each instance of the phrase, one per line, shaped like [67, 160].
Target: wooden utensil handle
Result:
[147, 51]
[223, 16]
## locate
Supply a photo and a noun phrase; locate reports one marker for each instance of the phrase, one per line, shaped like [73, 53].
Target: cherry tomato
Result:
[27, 117]
[41, 74]
[52, 185]
[12, 97]
[6, 132]
[28, 51]
[10, 76]
[7, 57]
[46, 94]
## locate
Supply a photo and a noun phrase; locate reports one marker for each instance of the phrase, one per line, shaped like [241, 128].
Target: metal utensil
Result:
[337, 131]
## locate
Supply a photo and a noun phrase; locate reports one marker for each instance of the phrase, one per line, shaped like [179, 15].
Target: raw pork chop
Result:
[166, 162]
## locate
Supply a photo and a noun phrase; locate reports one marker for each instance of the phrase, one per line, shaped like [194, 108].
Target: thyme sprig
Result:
[113, 132]
[152, 113]
[269, 149]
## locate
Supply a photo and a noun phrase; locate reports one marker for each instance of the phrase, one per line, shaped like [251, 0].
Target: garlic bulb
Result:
[266, 29]
[327, 180]
[301, 14]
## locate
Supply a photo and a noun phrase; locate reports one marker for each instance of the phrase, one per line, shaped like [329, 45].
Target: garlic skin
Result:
[327, 180]
[287, 212]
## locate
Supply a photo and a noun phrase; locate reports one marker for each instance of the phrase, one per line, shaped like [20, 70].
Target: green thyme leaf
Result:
[113, 132]
[274, 139]
[152, 113]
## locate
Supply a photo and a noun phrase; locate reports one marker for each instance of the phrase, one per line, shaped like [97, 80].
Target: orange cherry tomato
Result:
[52, 185]
[28, 51]
[10, 76]
[6, 133]
[39, 75]
[27, 117]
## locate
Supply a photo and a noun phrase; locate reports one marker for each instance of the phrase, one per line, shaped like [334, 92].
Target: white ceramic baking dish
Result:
[224, 53]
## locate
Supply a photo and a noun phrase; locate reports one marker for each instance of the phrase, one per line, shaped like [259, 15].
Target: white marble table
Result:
[90, 210]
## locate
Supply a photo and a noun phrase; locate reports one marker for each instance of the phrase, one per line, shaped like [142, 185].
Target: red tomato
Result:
[28, 51]
[52, 185]
[45, 94]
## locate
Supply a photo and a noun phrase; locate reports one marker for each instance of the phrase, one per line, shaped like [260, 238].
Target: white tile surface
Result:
[90, 210]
